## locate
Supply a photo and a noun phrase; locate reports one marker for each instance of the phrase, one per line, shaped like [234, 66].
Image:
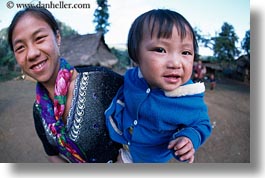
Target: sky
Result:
[206, 15]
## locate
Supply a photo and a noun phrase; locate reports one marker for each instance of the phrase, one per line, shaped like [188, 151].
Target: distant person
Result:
[159, 113]
[200, 69]
[196, 78]
[70, 103]
[212, 82]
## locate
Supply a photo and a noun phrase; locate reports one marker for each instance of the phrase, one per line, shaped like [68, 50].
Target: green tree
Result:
[3, 43]
[65, 29]
[225, 44]
[6, 56]
[205, 40]
[123, 57]
[246, 43]
[101, 15]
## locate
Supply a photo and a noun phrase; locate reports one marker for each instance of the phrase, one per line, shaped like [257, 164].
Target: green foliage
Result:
[66, 30]
[246, 43]
[4, 47]
[225, 44]
[123, 59]
[8, 60]
[101, 15]
[202, 39]
[8, 75]
[6, 55]
[211, 59]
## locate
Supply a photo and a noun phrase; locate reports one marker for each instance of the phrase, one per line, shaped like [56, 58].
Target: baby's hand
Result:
[183, 149]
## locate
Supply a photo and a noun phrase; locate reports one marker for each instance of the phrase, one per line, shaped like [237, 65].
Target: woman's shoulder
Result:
[99, 74]
[97, 69]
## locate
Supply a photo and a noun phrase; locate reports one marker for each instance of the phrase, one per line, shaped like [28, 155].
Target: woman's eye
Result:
[19, 48]
[160, 50]
[40, 38]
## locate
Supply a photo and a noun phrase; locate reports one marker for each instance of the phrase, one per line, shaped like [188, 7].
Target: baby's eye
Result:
[186, 53]
[160, 50]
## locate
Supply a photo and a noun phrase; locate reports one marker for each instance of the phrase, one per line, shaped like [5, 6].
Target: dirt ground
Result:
[229, 110]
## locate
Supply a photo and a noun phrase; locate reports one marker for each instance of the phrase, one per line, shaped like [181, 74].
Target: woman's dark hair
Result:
[40, 12]
[161, 20]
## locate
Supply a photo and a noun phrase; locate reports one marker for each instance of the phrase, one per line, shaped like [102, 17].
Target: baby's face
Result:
[166, 63]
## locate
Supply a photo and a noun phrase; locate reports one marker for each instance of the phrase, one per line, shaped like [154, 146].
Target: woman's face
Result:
[36, 48]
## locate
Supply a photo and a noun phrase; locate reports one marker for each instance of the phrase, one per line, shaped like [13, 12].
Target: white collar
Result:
[190, 89]
[140, 75]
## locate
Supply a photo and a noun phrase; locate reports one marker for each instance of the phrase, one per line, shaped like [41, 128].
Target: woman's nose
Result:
[33, 52]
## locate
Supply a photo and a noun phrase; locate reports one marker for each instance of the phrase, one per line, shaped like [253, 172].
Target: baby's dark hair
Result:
[39, 12]
[163, 20]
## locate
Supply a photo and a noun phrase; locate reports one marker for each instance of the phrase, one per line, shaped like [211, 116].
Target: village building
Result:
[239, 71]
[87, 50]
[243, 68]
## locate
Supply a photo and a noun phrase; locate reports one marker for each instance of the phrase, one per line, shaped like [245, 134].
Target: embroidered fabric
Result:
[93, 91]
[52, 110]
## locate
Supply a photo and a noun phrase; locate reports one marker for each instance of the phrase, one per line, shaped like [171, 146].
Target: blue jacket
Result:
[146, 119]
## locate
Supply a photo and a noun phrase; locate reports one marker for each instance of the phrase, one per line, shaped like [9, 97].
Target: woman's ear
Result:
[58, 38]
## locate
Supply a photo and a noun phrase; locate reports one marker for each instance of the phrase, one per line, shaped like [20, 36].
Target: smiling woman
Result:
[36, 49]
[68, 118]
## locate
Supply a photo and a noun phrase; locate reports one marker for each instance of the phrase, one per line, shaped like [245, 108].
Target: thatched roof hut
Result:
[87, 50]
[243, 67]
